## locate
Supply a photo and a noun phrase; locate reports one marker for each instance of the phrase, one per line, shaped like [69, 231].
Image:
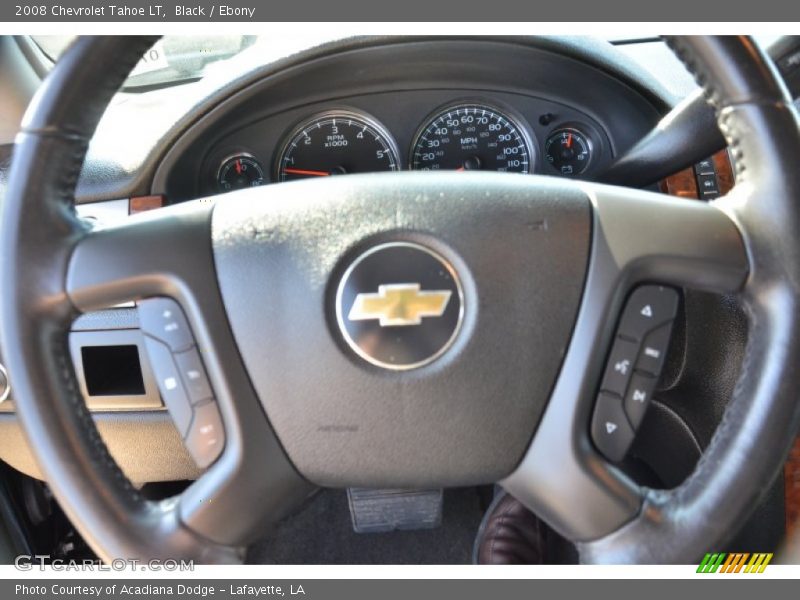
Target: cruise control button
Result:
[620, 366]
[648, 307]
[194, 375]
[170, 384]
[654, 350]
[638, 397]
[611, 432]
[206, 437]
[163, 319]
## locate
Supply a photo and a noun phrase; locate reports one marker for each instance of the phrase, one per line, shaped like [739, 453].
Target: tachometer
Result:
[468, 137]
[336, 143]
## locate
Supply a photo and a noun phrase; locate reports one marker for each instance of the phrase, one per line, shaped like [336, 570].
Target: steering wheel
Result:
[406, 330]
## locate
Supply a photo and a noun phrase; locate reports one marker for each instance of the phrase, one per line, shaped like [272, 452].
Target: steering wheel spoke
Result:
[639, 238]
[647, 237]
[159, 253]
[167, 253]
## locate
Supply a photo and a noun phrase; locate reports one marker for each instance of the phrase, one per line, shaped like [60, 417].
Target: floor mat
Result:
[321, 533]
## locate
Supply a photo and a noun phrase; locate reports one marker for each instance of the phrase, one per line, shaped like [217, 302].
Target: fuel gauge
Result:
[238, 172]
[568, 151]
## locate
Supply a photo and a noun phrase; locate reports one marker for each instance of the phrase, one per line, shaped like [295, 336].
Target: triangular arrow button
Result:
[610, 427]
[647, 311]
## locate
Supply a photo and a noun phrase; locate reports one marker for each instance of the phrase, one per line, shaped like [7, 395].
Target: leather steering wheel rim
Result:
[756, 115]
[42, 238]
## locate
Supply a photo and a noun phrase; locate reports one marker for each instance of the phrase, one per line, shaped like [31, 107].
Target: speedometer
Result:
[469, 137]
[336, 143]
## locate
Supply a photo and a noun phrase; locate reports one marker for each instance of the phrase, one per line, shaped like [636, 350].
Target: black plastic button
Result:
[638, 397]
[705, 167]
[611, 432]
[163, 319]
[194, 375]
[707, 183]
[170, 384]
[206, 437]
[648, 307]
[654, 350]
[620, 366]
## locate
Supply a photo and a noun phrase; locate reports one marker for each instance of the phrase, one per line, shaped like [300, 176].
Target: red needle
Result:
[239, 167]
[291, 171]
[569, 140]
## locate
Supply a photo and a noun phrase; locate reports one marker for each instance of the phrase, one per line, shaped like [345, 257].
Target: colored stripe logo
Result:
[735, 562]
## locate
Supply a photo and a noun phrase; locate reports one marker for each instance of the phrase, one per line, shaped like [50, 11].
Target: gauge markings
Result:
[238, 172]
[337, 143]
[568, 151]
[471, 137]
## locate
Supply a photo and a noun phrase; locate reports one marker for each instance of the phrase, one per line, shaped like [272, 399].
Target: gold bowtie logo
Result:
[399, 305]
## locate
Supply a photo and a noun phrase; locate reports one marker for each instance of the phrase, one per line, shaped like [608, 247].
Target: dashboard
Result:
[420, 130]
[427, 105]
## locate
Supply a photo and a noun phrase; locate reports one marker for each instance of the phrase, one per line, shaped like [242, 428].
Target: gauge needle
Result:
[569, 140]
[291, 171]
[239, 167]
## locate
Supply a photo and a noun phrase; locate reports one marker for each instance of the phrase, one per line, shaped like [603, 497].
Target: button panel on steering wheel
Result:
[633, 368]
[181, 378]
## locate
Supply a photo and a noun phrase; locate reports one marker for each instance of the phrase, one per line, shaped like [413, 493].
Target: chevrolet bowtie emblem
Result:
[377, 319]
[399, 305]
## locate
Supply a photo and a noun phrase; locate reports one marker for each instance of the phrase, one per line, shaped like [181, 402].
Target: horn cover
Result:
[512, 250]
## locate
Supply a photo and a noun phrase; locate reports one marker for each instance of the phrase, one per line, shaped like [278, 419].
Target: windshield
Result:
[183, 58]
[172, 59]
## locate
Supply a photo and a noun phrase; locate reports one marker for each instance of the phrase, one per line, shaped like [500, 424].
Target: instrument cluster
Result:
[458, 136]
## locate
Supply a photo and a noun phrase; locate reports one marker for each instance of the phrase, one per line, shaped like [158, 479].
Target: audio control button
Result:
[206, 437]
[163, 319]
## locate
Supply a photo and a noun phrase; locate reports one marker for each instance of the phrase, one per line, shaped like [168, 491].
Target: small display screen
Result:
[112, 370]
